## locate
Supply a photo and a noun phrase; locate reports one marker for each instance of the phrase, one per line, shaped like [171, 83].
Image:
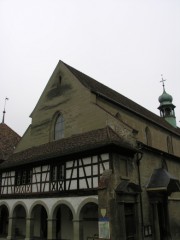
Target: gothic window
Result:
[148, 137]
[169, 145]
[59, 127]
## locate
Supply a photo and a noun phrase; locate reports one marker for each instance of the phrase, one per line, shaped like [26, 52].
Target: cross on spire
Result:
[163, 80]
[4, 112]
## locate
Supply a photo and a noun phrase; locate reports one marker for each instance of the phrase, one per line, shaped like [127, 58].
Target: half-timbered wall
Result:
[82, 173]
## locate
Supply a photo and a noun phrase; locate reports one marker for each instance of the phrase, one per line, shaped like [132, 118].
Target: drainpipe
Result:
[139, 156]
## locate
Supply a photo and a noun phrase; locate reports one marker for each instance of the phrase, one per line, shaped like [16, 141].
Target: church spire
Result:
[166, 106]
[4, 112]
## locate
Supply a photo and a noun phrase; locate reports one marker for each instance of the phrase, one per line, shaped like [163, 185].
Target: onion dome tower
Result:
[166, 107]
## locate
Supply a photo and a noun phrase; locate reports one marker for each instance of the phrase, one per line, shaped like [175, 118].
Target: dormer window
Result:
[59, 127]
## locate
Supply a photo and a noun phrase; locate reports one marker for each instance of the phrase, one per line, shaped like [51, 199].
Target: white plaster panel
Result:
[95, 182]
[74, 173]
[73, 184]
[82, 183]
[45, 168]
[95, 169]
[37, 169]
[68, 173]
[95, 159]
[105, 156]
[88, 170]
[69, 164]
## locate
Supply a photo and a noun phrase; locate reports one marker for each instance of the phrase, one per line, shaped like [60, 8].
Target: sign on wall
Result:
[104, 230]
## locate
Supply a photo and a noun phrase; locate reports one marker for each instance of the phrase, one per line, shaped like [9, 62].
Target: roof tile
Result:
[63, 147]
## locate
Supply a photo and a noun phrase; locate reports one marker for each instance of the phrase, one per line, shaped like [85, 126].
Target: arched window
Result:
[169, 145]
[148, 137]
[59, 127]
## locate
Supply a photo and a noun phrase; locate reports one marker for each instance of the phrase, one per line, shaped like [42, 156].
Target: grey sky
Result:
[124, 44]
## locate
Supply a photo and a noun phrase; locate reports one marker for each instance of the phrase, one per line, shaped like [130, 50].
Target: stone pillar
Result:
[29, 229]
[77, 229]
[51, 231]
[10, 228]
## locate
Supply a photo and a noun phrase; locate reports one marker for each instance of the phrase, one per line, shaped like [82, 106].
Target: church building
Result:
[92, 165]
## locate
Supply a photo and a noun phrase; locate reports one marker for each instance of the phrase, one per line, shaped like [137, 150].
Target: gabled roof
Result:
[111, 95]
[79, 143]
[8, 141]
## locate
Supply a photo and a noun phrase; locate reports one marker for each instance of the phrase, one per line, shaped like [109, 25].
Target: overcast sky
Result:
[124, 44]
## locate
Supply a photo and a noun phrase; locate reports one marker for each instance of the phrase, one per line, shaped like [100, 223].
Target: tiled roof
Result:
[76, 144]
[125, 102]
[8, 141]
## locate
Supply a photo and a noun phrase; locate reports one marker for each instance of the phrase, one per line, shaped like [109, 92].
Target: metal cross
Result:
[4, 112]
[163, 80]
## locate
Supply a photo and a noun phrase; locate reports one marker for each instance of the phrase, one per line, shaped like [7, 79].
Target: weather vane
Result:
[4, 112]
[163, 80]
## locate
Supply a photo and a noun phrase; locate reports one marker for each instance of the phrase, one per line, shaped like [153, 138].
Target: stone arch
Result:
[88, 215]
[62, 214]
[16, 204]
[84, 202]
[38, 202]
[60, 202]
[19, 215]
[38, 220]
[5, 204]
[4, 219]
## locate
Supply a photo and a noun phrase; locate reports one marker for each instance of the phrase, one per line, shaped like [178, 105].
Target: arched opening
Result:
[59, 127]
[4, 216]
[39, 222]
[19, 222]
[148, 136]
[169, 145]
[89, 216]
[63, 225]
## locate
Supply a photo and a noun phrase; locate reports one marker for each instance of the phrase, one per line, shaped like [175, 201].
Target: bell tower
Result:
[166, 106]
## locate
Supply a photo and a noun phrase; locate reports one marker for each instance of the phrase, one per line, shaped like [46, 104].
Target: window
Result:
[23, 177]
[59, 128]
[148, 137]
[57, 173]
[169, 145]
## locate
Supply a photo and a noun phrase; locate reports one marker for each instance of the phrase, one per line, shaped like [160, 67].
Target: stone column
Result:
[77, 229]
[51, 231]
[29, 229]
[10, 228]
